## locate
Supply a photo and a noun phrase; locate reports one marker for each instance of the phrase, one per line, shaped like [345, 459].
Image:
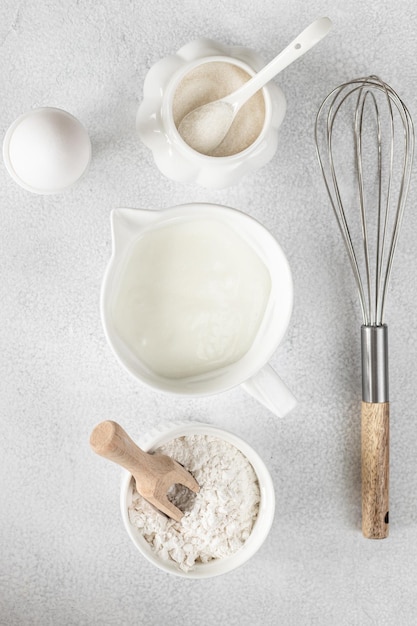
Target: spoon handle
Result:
[299, 46]
[109, 440]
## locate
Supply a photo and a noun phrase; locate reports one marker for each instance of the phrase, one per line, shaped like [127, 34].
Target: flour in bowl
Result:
[218, 520]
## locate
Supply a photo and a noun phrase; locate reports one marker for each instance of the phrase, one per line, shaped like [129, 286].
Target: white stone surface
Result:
[64, 555]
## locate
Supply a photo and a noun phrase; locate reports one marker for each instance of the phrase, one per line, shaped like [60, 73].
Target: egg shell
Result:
[46, 150]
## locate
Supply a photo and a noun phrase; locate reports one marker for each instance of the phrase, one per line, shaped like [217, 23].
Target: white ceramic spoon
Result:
[205, 127]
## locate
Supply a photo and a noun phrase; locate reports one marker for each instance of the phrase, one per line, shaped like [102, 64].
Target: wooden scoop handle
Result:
[153, 474]
[109, 440]
[375, 470]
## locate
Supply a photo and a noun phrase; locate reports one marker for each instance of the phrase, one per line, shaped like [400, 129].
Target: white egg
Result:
[46, 150]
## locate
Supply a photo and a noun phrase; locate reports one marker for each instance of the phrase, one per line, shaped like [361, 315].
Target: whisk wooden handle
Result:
[375, 469]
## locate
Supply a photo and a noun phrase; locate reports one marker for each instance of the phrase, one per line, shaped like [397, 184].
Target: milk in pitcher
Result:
[190, 298]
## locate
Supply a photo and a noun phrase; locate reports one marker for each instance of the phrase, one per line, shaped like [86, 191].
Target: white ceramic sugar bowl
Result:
[157, 129]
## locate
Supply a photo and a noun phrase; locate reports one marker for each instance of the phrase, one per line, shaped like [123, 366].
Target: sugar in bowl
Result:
[210, 113]
[202, 71]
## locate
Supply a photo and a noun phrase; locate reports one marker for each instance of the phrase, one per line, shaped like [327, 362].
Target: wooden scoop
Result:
[154, 474]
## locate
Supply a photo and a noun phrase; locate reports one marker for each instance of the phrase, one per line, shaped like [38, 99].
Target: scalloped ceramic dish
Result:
[156, 127]
[262, 525]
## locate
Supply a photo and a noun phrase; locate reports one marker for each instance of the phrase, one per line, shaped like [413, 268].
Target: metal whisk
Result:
[365, 145]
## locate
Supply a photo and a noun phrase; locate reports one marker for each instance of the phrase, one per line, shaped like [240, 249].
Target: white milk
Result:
[191, 298]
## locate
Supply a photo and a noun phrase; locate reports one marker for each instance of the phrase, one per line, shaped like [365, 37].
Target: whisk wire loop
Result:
[374, 103]
[408, 154]
[358, 125]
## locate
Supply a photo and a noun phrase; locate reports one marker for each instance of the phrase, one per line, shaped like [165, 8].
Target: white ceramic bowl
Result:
[262, 525]
[156, 128]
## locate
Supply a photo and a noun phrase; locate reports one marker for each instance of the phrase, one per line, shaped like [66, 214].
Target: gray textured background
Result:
[64, 555]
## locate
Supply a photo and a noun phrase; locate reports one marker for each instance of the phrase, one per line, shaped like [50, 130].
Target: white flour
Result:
[218, 520]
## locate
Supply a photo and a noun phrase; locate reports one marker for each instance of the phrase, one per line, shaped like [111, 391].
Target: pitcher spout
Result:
[127, 224]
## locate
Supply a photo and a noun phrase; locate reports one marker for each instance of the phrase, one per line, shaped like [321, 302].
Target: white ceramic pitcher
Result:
[252, 371]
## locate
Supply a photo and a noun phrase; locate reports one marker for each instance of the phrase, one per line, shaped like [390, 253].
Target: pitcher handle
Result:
[268, 388]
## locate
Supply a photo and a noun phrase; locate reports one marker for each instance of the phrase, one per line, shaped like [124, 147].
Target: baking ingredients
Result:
[191, 297]
[218, 520]
[211, 81]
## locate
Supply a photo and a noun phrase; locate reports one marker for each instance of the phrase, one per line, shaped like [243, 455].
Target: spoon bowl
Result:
[205, 127]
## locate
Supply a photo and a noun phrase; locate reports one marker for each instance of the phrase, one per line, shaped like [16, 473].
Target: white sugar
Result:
[218, 520]
[209, 82]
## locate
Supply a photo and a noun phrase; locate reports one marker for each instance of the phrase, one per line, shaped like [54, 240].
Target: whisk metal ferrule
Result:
[374, 349]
